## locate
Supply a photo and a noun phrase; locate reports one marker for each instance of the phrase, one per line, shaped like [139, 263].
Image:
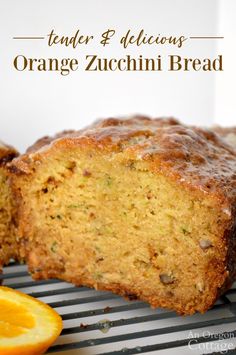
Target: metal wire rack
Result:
[98, 322]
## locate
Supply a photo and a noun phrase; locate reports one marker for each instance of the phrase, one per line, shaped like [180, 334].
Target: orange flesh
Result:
[14, 319]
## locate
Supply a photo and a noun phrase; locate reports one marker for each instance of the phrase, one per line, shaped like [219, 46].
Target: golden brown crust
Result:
[7, 153]
[195, 156]
[8, 247]
[224, 131]
[227, 133]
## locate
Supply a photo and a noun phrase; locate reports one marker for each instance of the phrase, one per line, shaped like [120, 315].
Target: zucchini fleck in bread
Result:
[8, 244]
[144, 208]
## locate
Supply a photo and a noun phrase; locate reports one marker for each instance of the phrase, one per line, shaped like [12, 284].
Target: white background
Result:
[33, 104]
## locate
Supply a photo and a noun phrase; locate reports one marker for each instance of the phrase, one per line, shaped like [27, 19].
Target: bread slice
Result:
[144, 208]
[8, 244]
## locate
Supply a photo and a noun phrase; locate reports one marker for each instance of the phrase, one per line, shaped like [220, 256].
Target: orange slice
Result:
[27, 325]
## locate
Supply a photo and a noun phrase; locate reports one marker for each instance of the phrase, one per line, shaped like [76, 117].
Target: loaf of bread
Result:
[8, 244]
[143, 207]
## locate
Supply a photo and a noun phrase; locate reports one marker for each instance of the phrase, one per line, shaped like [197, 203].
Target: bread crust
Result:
[197, 159]
[7, 153]
[227, 133]
[8, 249]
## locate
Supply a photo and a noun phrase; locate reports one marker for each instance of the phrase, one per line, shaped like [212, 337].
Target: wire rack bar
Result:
[88, 306]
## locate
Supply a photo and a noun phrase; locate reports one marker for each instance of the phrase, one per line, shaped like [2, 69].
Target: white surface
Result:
[36, 104]
[225, 102]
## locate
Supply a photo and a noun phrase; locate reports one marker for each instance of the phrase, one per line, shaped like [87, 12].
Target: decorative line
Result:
[28, 37]
[206, 37]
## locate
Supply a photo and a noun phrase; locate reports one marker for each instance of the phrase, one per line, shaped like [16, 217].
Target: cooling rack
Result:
[98, 322]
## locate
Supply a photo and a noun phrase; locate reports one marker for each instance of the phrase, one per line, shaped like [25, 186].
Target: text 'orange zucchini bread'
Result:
[143, 207]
